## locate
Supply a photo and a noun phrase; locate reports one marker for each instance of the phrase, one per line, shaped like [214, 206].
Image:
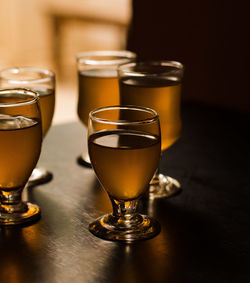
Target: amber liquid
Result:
[97, 88]
[162, 95]
[47, 106]
[124, 161]
[20, 145]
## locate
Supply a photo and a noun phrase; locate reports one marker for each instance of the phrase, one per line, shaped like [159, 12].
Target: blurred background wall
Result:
[49, 33]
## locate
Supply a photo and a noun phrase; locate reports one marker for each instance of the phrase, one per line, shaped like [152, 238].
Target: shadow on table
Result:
[188, 249]
[23, 254]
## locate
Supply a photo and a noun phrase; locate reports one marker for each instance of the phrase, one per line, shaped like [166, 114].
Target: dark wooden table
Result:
[205, 229]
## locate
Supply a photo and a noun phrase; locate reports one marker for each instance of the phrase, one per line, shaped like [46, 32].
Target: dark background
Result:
[212, 40]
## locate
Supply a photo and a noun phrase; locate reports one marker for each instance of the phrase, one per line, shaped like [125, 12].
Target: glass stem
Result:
[125, 214]
[155, 179]
[124, 209]
[11, 201]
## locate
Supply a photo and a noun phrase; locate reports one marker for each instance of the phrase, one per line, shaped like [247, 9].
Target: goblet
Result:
[156, 84]
[43, 82]
[98, 84]
[124, 146]
[20, 146]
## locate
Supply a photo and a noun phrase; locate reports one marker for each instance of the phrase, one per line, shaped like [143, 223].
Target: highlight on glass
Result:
[156, 84]
[20, 146]
[124, 145]
[98, 84]
[41, 81]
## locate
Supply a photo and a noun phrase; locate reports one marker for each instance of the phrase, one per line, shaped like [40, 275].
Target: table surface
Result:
[204, 230]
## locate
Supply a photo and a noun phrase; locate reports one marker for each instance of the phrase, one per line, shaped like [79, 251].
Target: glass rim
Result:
[83, 57]
[24, 91]
[126, 67]
[15, 70]
[154, 118]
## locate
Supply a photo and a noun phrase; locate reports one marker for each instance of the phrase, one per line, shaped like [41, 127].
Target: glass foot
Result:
[31, 214]
[112, 228]
[84, 160]
[39, 176]
[163, 187]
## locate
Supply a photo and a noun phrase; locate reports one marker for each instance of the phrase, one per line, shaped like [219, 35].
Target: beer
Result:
[20, 144]
[46, 103]
[47, 106]
[124, 161]
[159, 94]
[97, 88]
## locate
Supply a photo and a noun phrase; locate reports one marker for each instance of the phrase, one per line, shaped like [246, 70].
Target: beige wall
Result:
[26, 28]
[23, 33]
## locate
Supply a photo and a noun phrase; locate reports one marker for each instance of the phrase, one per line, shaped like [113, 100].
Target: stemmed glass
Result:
[156, 84]
[124, 146]
[98, 84]
[20, 146]
[43, 82]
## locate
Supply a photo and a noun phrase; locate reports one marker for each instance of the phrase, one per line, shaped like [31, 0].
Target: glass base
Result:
[163, 187]
[39, 176]
[110, 228]
[84, 160]
[31, 214]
